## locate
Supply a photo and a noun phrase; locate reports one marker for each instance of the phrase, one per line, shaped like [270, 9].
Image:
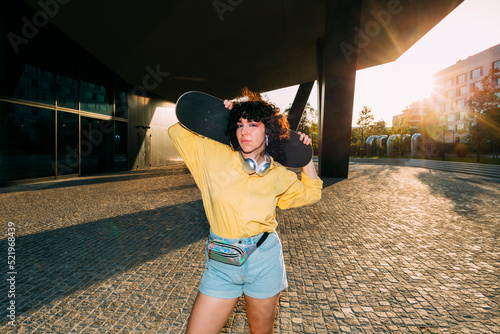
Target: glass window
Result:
[121, 160]
[36, 85]
[451, 94]
[477, 85]
[67, 92]
[476, 73]
[96, 98]
[27, 142]
[496, 64]
[48, 75]
[28, 69]
[463, 90]
[460, 126]
[121, 100]
[448, 83]
[462, 115]
[450, 118]
[461, 103]
[448, 106]
[45, 86]
[67, 143]
[66, 63]
[461, 78]
[96, 151]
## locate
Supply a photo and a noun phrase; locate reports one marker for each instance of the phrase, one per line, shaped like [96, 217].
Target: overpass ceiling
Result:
[262, 44]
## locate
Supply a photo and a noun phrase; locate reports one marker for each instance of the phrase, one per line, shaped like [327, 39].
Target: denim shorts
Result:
[261, 276]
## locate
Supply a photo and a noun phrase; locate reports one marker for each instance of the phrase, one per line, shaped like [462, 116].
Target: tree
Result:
[484, 114]
[401, 126]
[355, 140]
[308, 123]
[314, 137]
[364, 122]
[434, 129]
[308, 118]
[379, 128]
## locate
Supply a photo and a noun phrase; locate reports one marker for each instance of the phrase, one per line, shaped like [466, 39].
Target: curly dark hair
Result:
[256, 109]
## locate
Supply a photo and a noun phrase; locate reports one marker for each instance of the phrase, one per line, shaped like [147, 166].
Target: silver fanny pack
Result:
[233, 254]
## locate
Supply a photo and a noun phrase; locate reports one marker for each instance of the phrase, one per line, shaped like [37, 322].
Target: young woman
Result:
[241, 185]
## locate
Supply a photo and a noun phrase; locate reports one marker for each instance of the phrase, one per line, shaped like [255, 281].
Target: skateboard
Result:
[207, 116]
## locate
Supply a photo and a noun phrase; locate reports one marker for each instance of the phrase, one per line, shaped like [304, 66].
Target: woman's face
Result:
[251, 136]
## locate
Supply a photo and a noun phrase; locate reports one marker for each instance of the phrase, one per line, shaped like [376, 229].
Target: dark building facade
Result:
[62, 112]
[78, 76]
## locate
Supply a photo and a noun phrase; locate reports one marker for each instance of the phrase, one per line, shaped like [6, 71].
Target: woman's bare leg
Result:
[261, 314]
[209, 314]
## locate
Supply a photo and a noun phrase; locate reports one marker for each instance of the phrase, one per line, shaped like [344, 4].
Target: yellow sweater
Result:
[239, 205]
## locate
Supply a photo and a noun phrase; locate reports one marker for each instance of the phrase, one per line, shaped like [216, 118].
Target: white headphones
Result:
[250, 165]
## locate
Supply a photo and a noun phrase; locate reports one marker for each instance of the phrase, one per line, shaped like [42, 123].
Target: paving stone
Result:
[391, 249]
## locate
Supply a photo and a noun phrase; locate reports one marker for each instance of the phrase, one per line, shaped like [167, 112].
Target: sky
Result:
[472, 27]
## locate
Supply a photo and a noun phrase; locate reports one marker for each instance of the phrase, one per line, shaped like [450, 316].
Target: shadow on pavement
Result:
[93, 179]
[465, 199]
[59, 262]
[329, 181]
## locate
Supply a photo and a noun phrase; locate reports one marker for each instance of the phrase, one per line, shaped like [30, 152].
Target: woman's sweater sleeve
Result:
[301, 192]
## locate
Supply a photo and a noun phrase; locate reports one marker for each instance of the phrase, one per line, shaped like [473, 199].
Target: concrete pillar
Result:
[336, 81]
[299, 104]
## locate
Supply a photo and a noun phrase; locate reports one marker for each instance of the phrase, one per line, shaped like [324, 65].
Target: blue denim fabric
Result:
[262, 275]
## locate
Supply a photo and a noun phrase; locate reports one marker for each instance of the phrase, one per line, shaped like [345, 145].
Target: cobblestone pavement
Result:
[391, 249]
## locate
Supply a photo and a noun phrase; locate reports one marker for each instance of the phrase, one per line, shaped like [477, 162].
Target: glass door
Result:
[96, 146]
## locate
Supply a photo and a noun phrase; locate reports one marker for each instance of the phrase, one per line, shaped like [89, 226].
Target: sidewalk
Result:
[391, 249]
[488, 170]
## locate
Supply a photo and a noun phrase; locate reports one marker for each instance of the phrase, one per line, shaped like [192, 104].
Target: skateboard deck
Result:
[207, 116]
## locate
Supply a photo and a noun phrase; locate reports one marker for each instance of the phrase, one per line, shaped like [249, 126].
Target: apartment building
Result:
[454, 85]
[414, 113]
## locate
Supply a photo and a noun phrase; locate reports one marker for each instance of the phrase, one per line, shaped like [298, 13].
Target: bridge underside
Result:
[221, 46]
